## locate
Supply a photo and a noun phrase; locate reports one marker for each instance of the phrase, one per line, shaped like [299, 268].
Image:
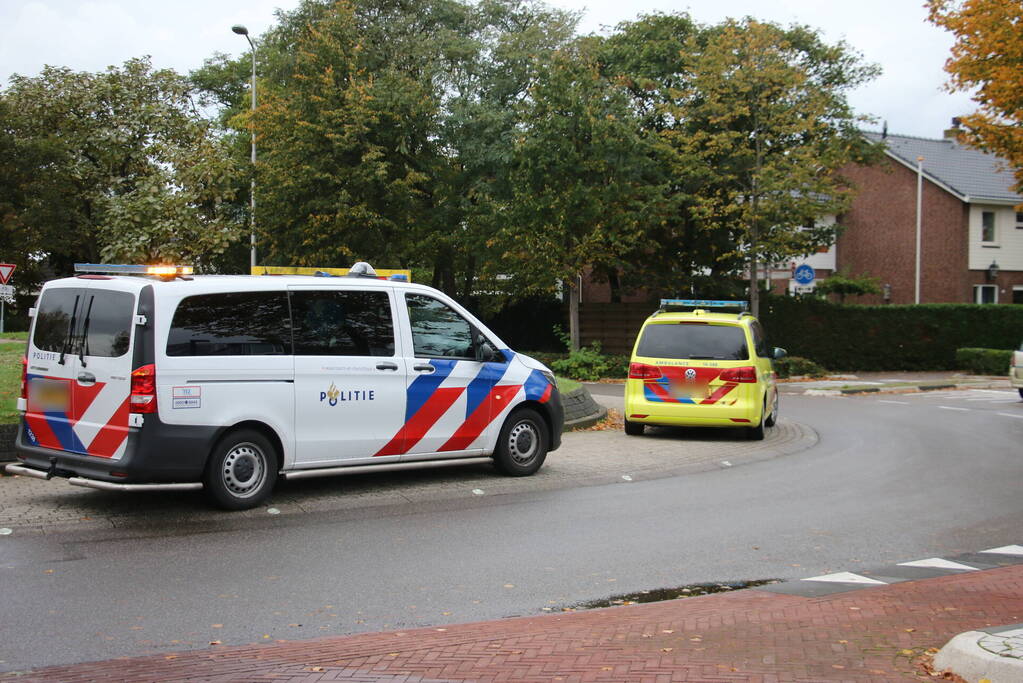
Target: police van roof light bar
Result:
[165, 271]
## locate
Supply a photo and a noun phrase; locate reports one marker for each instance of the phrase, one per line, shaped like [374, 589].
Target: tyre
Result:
[772, 419]
[757, 433]
[522, 445]
[634, 428]
[1021, 394]
[241, 471]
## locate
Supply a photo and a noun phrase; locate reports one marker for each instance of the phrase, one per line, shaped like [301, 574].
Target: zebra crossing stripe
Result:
[1006, 550]
[845, 577]
[937, 563]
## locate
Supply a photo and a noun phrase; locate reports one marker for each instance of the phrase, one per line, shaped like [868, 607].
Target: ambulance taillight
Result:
[643, 371]
[143, 389]
[743, 374]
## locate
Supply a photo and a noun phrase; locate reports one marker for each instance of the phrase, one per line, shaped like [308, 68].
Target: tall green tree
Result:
[581, 181]
[111, 166]
[754, 129]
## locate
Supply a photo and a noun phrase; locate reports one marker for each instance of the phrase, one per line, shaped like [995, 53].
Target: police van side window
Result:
[108, 323]
[437, 329]
[231, 324]
[342, 323]
[56, 309]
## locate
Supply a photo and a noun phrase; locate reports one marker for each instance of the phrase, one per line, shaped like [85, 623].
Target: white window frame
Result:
[978, 293]
[994, 228]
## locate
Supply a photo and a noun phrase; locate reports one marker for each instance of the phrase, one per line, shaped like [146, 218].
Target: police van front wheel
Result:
[241, 471]
[522, 445]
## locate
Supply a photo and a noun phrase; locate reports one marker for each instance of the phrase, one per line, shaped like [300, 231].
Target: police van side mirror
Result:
[485, 353]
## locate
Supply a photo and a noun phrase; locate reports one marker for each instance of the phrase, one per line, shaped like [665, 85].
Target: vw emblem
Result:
[690, 375]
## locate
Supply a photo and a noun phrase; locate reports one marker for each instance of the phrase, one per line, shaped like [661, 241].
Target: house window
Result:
[985, 294]
[1019, 220]
[1017, 294]
[987, 226]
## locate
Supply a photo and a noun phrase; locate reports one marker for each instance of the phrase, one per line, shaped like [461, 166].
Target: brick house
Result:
[971, 234]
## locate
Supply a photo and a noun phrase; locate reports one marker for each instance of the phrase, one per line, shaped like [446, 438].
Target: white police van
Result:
[143, 379]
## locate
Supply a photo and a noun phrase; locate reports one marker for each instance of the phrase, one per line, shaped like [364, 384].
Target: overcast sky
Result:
[89, 35]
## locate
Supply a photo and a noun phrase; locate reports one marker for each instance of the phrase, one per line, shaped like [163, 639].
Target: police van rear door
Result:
[79, 369]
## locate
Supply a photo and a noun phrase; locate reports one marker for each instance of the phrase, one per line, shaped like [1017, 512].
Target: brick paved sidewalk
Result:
[874, 634]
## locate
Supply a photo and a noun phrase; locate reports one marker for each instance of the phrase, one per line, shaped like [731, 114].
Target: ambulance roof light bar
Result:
[163, 271]
[700, 305]
[704, 303]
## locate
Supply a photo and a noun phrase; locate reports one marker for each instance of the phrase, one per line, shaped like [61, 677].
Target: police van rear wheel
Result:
[522, 445]
[242, 470]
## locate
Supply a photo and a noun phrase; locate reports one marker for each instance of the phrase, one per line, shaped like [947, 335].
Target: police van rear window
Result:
[693, 342]
[231, 324]
[56, 309]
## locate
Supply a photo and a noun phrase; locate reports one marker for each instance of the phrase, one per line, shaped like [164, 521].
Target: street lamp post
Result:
[242, 31]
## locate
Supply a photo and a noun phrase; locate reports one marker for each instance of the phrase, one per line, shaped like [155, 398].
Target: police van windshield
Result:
[693, 342]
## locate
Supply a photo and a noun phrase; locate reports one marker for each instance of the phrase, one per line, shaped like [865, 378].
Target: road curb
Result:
[581, 411]
[965, 656]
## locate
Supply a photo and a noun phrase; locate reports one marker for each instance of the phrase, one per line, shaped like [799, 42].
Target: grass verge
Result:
[11, 354]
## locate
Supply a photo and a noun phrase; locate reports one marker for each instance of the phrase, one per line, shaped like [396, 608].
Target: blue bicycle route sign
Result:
[804, 275]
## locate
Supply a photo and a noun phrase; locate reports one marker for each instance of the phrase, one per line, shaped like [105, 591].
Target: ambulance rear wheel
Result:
[772, 419]
[634, 428]
[241, 471]
[522, 445]
[757, 433]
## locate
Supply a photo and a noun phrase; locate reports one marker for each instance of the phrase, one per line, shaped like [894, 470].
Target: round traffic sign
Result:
[804, 274]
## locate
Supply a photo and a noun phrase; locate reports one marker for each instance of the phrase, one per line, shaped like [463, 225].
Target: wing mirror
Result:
[779, 353]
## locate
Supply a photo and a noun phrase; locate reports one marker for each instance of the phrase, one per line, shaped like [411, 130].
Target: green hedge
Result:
[921, 337]
[984, 361]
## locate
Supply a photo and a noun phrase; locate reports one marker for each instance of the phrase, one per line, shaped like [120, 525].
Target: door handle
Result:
[424, 367]
[387, 365]
[86, 377]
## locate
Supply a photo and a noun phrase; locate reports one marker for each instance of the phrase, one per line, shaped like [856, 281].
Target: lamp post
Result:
[242, 31]
[919, 218]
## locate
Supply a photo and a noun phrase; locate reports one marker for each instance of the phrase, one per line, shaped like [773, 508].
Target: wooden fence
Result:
[614, 325]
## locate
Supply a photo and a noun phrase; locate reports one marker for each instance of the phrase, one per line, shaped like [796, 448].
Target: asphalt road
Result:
[893, 477]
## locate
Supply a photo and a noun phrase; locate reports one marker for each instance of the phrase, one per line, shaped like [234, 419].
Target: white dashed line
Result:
[965, 410]
[900, 403]
[1011, 415]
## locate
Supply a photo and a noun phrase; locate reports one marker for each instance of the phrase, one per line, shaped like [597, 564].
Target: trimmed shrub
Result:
[587, 364]
[889, 337]
[984, 361]
[790, 366]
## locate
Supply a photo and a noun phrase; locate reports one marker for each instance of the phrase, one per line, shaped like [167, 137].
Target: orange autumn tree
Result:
[987, 59]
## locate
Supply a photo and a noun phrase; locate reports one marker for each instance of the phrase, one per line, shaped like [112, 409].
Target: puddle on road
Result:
[661, 594]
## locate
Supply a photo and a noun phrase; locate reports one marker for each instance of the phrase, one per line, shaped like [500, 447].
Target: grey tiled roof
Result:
[972, 174]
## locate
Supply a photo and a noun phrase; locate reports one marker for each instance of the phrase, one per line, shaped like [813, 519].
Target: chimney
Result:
[953, 132]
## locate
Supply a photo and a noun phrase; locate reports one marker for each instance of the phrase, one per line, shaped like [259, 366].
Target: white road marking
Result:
[1006, 550]
[1011, 415]
[954, 408]
[937, 563]
[845, 577]
[901, 403]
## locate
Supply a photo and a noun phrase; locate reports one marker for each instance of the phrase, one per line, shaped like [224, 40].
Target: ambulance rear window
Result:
[693, 342]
